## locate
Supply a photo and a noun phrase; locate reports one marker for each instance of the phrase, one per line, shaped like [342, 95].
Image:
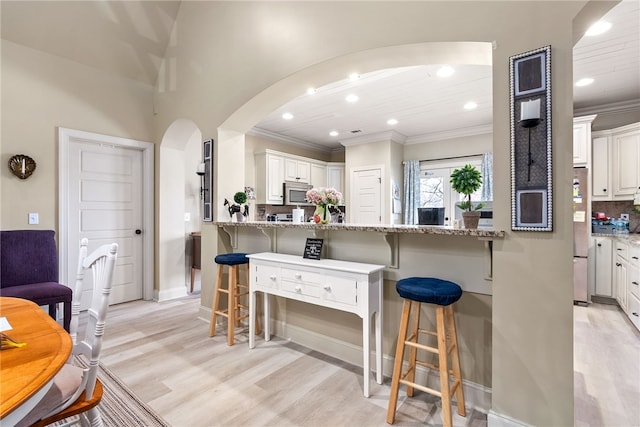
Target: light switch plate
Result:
[187, 216]
[34, 218]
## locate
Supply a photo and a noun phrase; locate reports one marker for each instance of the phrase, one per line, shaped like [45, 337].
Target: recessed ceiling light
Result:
[470, 105]
[334, 133]
[392, 122]
[354, 76]
[584, 82]
[598, 28]
[311, 91]
[445, 71]
[287, 116]
[352, 98]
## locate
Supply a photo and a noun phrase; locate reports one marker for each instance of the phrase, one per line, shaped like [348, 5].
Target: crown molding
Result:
[292, 141]
[450, 134]
[391, 135]
[612, 108]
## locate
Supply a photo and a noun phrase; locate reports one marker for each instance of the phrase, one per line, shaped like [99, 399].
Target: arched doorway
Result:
[230, 144]
[178, 186]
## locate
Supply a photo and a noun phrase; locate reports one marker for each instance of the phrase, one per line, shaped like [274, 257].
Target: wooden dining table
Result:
[27, 373]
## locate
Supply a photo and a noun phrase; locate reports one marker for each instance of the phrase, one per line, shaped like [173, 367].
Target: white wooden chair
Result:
[77, 390]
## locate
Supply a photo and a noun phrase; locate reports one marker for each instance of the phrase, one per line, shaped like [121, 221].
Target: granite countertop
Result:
[633, 239]
[381, 228]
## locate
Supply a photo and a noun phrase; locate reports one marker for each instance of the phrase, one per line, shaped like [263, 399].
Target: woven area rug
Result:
[119, 407]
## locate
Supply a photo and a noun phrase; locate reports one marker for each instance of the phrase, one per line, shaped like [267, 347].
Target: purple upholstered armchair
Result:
[29, 270]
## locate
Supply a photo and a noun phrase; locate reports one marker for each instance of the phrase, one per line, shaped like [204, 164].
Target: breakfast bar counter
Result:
[379, 228]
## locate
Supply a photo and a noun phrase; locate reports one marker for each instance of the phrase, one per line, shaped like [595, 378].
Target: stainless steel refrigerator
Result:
[581, 232]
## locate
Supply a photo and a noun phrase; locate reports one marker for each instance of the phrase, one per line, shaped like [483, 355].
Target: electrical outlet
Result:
[625, 216]
[187, 216]
[34, 218]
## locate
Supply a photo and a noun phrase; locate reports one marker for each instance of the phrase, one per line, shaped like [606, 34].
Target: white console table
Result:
[347, 286]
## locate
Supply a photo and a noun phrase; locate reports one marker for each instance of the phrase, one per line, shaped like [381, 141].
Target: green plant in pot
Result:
[240, 198]
[467, 180]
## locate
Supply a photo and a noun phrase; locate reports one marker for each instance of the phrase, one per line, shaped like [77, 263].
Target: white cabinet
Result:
[269, 178]
[633, 298]
[297, 170]
[601, 179]
[616, 163]
[626, 158]
[318, 175]
[340, 285]
[335, 176]
[581, 139]
[621, 286]
[603, 263]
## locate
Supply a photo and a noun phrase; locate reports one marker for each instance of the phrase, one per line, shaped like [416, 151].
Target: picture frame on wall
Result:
[531, 148]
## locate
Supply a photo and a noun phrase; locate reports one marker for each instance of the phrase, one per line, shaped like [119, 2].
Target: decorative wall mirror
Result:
[531, 166]
[207, 180]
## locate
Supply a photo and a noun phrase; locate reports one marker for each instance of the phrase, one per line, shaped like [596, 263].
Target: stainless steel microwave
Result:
[294, 193]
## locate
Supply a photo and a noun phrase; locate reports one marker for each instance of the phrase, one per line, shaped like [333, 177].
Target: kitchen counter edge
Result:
[379, 228]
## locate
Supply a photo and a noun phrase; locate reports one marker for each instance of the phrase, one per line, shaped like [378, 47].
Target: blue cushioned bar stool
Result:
[441, 293]
[234, 290]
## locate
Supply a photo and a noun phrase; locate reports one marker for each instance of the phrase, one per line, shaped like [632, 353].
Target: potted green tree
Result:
[239, 198]
[467, 180]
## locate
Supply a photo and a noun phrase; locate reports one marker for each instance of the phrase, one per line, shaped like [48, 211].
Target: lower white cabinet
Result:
[633, 302]
[620, 282]
[341, 285]
[603, 263]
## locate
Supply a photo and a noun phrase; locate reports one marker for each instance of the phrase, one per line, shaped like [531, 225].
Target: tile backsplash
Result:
[614, 209]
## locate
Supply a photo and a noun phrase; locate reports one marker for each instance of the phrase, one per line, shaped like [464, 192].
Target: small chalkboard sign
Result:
[312, 248]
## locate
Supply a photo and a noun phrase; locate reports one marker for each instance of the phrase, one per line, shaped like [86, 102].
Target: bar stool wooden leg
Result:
[216, 301]
[444, 367]
[397, 365]
[455, 361]
[413, 352]
[232, 304]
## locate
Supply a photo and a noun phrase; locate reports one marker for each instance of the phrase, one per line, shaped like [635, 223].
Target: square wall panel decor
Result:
[530, 109]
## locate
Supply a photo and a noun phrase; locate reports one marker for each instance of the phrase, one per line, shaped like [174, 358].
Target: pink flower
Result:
[324, 196]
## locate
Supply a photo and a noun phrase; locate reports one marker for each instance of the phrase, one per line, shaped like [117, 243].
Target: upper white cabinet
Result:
[273, 168]
[601, 188]
[581, 139]
[616, 163]
[626, 157]
[335, 176]
[318, 175]
[269, 178]
[297, 170]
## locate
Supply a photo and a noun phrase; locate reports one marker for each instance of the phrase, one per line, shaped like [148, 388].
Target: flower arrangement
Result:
[322, 198]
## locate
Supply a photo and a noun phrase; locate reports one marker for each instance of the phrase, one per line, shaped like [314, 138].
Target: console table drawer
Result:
[301, 276]
[341, 289]
[301, 288]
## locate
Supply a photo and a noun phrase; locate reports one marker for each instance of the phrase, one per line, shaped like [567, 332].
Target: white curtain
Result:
[487, 176]
[411, 191]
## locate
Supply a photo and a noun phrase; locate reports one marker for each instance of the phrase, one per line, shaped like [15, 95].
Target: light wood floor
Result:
[163, 352]
[606, 367]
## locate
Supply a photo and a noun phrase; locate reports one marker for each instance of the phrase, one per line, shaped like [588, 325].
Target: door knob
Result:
[138, 231]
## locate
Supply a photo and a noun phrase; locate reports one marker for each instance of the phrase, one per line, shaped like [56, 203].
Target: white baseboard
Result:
[500, 420]
[169, 294]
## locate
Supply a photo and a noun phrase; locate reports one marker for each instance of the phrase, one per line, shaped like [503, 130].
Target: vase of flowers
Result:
[323, 198]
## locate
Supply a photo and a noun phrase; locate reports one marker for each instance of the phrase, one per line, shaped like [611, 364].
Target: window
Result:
[435, 188]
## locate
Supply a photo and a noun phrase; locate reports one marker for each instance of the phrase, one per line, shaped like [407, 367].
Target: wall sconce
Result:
[200, 171]
[530, 118]
[22, 166]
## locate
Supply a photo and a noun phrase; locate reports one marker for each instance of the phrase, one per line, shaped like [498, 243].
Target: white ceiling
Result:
[431, 108]
[133, 37]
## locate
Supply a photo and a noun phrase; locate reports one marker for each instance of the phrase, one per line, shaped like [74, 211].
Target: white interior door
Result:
[366, 207]
[105, 204]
